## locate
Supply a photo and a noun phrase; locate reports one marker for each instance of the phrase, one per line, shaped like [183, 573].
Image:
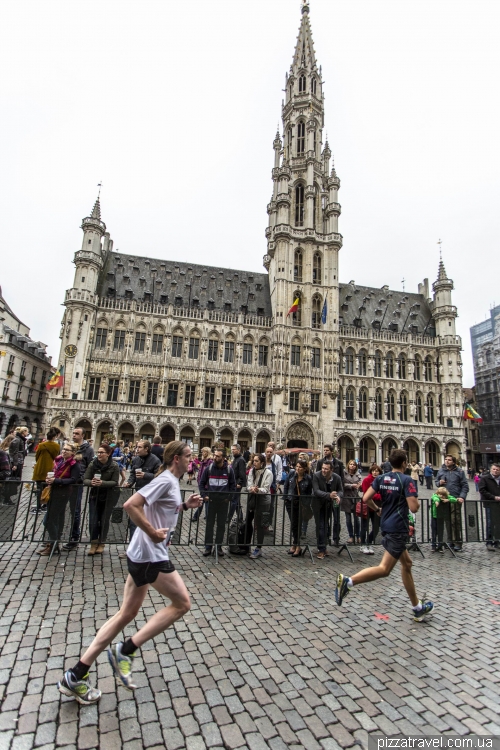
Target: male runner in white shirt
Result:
[154, 510]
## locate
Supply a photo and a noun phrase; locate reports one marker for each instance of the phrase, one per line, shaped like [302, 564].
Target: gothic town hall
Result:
[193, 352]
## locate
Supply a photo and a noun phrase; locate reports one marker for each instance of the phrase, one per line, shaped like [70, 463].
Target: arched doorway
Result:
[388, 445]
[345, 447]
[147, 432]
[86, 427]
[261, 441]
[12, 423]
[367, 451]
[412, 449]
[227, 437]
[167, 434]
[126, 432]
[187, 434]
[207, 438]
[454, 450]
[105, 428]
[433, 454]
[299, 435]
[244, 439]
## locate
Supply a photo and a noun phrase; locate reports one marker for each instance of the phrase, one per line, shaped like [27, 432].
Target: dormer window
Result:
[178, 301]
[211, 304]
[129, 293]
[111, 291]
[163, 299]
[227, 306]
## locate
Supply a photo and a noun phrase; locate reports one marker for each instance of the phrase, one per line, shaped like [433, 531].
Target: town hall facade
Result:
[199, 353]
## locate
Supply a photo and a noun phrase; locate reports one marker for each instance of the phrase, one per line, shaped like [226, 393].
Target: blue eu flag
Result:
[323, 312]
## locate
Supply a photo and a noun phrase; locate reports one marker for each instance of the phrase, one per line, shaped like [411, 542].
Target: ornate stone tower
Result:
[81, 302]
[303, 245]
[444, 315]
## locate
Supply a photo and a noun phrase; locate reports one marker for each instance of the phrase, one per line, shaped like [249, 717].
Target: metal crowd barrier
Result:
[235, 521]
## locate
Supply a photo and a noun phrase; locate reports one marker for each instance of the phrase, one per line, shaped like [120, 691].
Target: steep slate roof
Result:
[197, 285]
[375, 302]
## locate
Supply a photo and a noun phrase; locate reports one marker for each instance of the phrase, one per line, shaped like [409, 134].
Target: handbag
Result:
[361, 509]
[252, 500]
[45, 496]
[305, 505]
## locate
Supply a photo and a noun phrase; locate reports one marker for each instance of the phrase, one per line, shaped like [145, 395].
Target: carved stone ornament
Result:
[300, 431]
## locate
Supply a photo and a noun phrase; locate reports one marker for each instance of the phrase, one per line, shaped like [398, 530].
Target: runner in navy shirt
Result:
[399, 496]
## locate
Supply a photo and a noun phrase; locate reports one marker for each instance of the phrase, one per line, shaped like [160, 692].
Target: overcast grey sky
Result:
[174, 106]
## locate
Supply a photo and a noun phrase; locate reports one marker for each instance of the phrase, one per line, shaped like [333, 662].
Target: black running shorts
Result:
[394, 544]
[147, 572]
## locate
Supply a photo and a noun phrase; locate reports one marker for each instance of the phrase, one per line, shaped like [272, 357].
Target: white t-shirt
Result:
[163, 499]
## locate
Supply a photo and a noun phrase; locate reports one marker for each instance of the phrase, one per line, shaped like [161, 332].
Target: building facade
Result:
[157, 346]
[25, 369]
[485, 338]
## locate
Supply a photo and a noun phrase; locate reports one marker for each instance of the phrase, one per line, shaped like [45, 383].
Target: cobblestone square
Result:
[264, 659]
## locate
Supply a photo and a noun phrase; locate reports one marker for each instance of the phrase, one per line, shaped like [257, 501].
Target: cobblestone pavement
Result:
[264, 659]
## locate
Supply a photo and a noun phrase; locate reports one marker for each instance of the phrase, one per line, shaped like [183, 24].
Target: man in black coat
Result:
[158, 449]
[489, 489]
[239, 467]
[142, 472]
[327, 492]
[337, 465]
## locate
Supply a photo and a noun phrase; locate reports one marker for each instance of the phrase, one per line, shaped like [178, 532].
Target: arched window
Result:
[316, 312]
[302, 84]
[403, 407]
[363, 404]
[391, 406]
[430, 409]
[317, 276]
[402, 367]
[299, 206]
[417, 374]
[419, 409]
[301, 137]
[389, 365]
[297, 265]
[339, 404]
[313, 86]
[349, 404]
[349, 362]
[379, 405]
[378, 365]
[432, 451]
[362, 362]
[289, 138]
[428, 369]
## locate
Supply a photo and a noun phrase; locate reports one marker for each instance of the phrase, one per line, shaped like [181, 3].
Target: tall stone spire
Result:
[304, 57]
[96, 211]
[442, 276]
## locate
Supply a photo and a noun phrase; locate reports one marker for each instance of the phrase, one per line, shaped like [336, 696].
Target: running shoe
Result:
[81, 690]
[255, 553]
[364, 549]
[341, 589]
[427, 608]
[371, 551]
[121, 665]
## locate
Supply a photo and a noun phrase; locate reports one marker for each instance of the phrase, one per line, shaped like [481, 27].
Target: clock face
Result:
[70, 350]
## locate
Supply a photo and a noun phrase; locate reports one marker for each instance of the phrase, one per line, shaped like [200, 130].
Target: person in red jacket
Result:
[371, 515]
